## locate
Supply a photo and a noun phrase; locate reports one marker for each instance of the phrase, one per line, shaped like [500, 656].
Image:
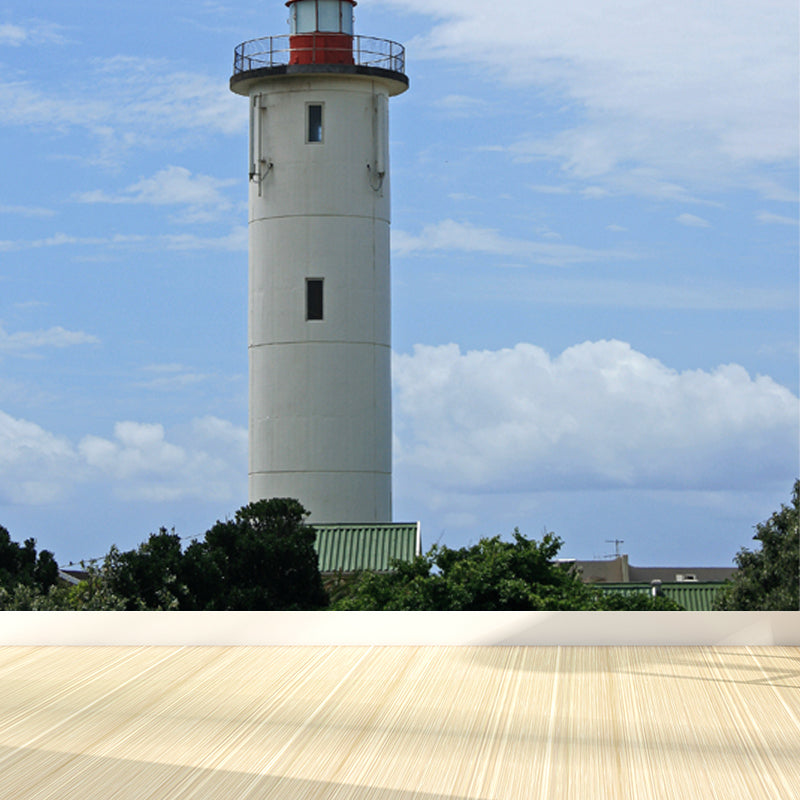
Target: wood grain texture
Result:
[396, 723]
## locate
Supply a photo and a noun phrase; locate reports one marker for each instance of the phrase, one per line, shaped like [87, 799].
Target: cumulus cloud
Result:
[172, 186]
[28, 341]
[599, 415]
[36, 467]
[449, 235]
[205, 460]
[692, 90]
[209, 463]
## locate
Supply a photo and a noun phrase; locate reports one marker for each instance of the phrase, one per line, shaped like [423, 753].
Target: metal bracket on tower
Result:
[259, 164]
[380, 119]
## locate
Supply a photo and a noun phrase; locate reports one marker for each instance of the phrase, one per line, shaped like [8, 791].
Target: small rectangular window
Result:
[314, 132]
[313, 298]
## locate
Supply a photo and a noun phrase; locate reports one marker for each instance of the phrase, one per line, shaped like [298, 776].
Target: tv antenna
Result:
[616, 543]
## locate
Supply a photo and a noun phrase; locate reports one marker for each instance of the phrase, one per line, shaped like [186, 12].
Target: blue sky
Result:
[595, 284]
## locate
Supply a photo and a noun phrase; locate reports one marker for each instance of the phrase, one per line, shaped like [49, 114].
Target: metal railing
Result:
[274, 51]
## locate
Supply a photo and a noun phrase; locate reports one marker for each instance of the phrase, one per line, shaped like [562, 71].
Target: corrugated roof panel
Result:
[365, 546]
[692, 596]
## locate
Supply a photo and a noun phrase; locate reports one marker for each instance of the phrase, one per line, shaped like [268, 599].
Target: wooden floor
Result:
[396, 723]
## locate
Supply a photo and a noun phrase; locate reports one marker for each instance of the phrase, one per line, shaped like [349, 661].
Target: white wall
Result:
[320, 391]
[721, 628]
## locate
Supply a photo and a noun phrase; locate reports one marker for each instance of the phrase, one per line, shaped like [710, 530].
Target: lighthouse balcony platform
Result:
[316, 53]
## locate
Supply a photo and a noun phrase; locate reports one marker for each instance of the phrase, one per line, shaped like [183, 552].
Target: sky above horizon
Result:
[594, 270]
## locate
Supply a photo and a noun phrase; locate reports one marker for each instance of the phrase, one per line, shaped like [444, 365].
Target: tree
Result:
[148, 577]
[263, 559]
[492, 575]
[768, 579]
[26, 578]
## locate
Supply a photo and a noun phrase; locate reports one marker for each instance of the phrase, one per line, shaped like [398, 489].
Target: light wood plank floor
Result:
[400, 723]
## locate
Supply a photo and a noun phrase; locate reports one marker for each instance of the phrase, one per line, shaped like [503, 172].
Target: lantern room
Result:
[321, 31]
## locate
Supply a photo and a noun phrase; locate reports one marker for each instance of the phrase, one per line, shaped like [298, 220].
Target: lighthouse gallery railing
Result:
[274, 51]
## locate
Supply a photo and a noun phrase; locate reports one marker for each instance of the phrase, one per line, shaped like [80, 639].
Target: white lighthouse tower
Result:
[319, 304]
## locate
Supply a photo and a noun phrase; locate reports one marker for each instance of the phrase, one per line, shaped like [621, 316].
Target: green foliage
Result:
[29, 598]
[148, 577]
[263, 559]
[638, 601]
[26, 578]
[768, 579]
[492, 575]
[93, 594]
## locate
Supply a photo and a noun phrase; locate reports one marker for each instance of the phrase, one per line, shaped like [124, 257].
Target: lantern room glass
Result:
[328, 17]
[325, 16]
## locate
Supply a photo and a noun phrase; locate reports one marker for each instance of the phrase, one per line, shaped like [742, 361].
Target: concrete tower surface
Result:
[319, 301]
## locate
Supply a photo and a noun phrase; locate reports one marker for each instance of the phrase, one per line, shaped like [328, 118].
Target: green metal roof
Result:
[692, 596]
[370, 546]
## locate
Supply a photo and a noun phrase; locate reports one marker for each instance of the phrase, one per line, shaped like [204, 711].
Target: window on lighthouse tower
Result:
[314, 122]
[314, 299]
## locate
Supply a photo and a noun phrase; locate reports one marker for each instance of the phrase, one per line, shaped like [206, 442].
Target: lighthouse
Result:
[319, 326]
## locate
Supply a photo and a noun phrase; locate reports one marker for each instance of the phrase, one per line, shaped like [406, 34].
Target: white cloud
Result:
[460, 105]
[128, 103]
[595, 192]
[27, 341]
[772, 190]
[205, 460]
[692, 221]
[546, 189]
[776, 219]
[698, 91]
[236, 240]
[599, 415]
[12, 34]
[171, 377]
[172, 186]
[449, 235]
[610, 293]
[27, 211]
[208, 462]
[65, 239]
[36, 467]
[29, 33]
